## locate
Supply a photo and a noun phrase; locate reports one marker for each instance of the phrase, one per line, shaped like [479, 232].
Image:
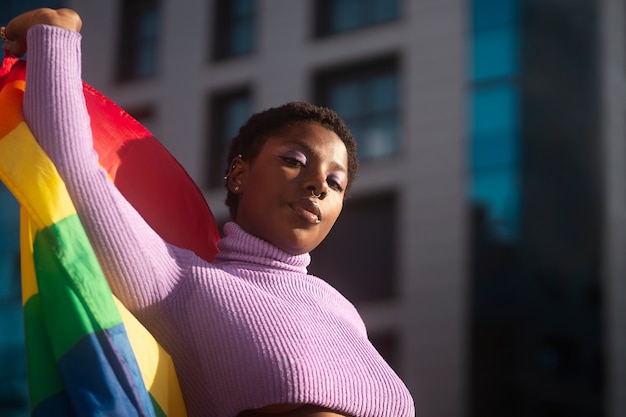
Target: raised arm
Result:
[140, 267]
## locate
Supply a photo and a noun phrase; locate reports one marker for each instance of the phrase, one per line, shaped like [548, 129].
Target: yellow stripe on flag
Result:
[156, 370]
[36, 183]
[27, 237]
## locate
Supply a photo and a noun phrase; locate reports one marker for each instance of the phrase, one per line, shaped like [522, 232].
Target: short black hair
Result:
[252, 135]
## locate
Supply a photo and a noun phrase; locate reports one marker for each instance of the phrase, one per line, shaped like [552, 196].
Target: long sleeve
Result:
[141, 268]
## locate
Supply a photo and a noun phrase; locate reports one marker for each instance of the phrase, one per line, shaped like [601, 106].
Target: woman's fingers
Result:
[16, 30]
[11, 43]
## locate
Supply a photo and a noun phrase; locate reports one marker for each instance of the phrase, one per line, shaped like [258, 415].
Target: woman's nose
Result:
[321, 195]
[316, 184]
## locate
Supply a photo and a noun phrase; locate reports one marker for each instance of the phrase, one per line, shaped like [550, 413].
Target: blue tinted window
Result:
[495, 149]
[384, 93]
[494, 108]
[148, 27]
[243, 28]
[236, 112]
[491, 13]
[139, 43]
[243, 8]
[497, 193]
[344, 15]
[241, 41]
[495, 127]
[495, 156]
[495, 53]
[235, 28]
[369, 106]
[379, 136]
[346, 98]
[336, 16]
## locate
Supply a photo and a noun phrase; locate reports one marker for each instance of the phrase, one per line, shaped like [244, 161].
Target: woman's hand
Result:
[17, 28]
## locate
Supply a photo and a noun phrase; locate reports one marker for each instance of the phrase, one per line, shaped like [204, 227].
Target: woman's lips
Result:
[308, 210]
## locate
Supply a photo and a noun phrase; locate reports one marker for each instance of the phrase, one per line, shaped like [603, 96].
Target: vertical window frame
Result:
[133, 44]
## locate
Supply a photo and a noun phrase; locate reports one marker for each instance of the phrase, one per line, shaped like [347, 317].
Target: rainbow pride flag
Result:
[86, 353]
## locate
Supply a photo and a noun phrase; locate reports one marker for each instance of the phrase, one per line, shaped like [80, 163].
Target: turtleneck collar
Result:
[240, 246]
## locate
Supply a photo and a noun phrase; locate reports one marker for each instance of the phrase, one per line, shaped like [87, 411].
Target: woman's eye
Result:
[294, 158]
[292, 161]
[335, 183]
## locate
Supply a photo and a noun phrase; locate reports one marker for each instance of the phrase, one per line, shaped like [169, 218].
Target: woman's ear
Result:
[236, 174]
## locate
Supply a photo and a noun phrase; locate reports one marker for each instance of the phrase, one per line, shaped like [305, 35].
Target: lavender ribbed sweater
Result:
[248, 330]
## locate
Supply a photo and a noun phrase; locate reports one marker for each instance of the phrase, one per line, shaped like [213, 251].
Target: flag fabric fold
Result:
[86, 354]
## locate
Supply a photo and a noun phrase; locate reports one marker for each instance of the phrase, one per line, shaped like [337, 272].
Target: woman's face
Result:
[276, 201]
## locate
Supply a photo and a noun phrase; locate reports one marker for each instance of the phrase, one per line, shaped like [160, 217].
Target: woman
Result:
[250, 333]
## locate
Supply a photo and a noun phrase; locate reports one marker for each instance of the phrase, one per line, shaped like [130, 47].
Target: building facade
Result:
[483, 239]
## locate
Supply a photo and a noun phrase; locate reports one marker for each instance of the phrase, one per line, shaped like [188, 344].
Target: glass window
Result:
[493, 13]
[337, 16]
[139, 39]
[229, 110]
[235, 28]
[494, 41]
[495, 157]
[367, 97]
[495, 127]
[363, 269]
[495, 53]
[496, 193]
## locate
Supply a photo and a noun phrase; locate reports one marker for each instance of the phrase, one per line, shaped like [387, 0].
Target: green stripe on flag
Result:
[43, 375]
[77, 299]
